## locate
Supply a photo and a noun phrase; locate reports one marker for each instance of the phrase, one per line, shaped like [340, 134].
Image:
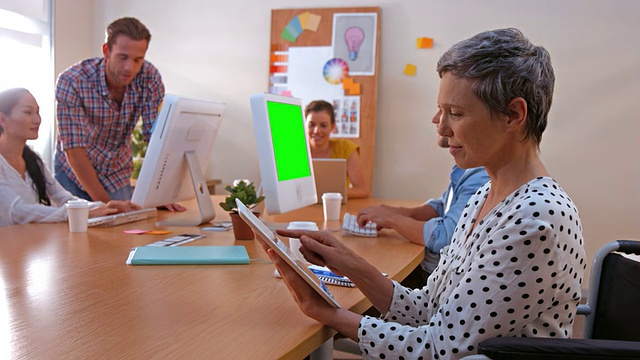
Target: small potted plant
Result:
[246, 192]
[139, 149]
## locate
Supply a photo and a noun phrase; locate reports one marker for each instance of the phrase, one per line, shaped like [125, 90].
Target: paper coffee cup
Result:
[294, 244]
[78, 215]
[331, 203]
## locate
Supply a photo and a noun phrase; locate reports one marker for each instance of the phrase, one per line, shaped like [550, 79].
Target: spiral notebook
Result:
[323, 273]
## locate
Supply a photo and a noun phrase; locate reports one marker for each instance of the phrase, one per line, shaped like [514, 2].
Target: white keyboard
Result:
[350, 227]
[122, 218]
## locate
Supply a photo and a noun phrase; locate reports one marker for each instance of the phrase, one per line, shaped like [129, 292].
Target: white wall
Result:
[73, 32]
[219, 49]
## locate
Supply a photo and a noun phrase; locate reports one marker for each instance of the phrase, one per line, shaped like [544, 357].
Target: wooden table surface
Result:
[70, 295]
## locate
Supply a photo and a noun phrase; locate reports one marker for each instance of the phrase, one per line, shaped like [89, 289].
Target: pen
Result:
[215, 228]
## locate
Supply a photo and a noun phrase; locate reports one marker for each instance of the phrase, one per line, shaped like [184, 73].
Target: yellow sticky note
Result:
[313, 22]
[304, 19]
[410, 70]
[158, 232]
[424, 43]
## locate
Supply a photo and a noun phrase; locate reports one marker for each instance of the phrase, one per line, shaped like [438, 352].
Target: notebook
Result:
[330, 176]
[271, 239]
[323, 273]
[188, 255]
[326, 275]
[122, 218]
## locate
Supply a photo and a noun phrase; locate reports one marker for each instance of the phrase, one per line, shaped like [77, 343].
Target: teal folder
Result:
[188, 255]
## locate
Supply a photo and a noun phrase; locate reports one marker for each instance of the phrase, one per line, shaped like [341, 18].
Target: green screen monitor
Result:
[284, 155]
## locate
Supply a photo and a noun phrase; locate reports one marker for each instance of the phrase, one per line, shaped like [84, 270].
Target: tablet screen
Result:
[271, 238]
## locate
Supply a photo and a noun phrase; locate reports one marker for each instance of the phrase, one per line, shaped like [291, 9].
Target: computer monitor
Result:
[284, 155]
[177, 156]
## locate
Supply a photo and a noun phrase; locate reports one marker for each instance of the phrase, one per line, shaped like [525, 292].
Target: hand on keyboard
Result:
[350, 227]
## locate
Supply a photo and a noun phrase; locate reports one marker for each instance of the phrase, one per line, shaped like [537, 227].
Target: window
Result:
[27, 60]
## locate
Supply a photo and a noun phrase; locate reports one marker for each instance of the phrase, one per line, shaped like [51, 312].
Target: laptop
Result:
[122, 218]
[330, 176]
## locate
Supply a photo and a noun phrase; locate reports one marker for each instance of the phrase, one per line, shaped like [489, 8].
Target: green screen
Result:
[289, 141]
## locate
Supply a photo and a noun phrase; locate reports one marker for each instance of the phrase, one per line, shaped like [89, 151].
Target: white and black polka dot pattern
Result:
[518, 274]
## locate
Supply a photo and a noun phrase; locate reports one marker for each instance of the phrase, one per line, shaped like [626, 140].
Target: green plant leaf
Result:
[243, 191]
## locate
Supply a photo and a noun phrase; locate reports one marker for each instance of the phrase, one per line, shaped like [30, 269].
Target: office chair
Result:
[612, 316]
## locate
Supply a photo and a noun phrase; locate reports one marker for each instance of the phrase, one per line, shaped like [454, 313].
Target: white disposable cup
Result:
[331, 203]
[294, 244]
[78, 215]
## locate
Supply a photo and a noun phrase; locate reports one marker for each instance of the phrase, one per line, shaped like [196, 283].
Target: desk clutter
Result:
[177, 240]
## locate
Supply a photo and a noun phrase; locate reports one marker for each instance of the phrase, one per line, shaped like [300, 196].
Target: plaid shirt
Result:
[88, 119]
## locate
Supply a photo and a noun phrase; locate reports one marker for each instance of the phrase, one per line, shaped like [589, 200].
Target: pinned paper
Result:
[286, 93]
[279, 47]
[335, 70]
[349, 85]
[304, 21]
[313, 22]
[287, 35]
[278, 58]
[293, 30]
[277, 69]
[295, 25]
[278, 79]
[424, 43]
[410, 70]
[158, 232]
[136, 231]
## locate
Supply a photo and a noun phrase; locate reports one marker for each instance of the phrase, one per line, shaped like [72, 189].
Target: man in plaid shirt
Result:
[99, 101]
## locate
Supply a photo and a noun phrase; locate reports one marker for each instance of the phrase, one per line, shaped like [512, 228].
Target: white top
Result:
[19, 201]
[517, 273]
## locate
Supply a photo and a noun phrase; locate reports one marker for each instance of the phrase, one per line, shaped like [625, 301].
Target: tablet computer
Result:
[271, 238]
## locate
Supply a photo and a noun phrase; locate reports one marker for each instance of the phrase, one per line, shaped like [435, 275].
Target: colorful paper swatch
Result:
[424, 43]
[295, 27]
[304, 19]
[335, 70]
[410, 70]
[313, 23]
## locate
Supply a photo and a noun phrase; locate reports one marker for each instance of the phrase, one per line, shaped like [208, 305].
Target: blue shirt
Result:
[438, 231]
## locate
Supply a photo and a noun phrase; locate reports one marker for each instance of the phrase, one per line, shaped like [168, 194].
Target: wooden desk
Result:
[70, 295]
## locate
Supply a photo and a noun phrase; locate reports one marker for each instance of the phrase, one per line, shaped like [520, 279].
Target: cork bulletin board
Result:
[331, 54]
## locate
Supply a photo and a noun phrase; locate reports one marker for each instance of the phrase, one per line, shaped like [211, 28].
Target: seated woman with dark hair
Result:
[321, 122]
[28, 191]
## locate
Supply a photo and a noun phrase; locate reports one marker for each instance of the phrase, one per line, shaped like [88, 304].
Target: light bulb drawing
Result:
[354, 36]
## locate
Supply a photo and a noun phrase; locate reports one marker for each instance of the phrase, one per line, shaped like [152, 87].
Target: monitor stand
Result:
[207, 213]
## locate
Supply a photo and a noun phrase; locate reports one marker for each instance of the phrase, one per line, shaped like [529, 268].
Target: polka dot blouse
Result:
[518, 273]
